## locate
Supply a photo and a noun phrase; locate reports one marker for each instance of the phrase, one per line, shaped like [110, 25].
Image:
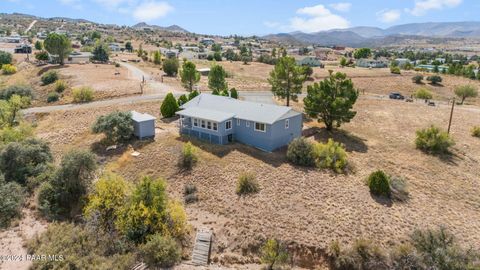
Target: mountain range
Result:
[371, 36]
[171, 28]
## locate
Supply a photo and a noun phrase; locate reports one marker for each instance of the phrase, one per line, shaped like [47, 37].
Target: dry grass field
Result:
[307, 208]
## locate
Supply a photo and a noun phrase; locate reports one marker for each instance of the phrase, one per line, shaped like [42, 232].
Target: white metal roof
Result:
[141, 117]
[206, 114]
[251, 111]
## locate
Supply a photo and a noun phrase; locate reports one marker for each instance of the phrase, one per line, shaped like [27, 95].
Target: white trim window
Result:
[260, 127]
[238, 122]
[247, 123]
[215, 126]
[195, 122]
[287, 123]
[209, 125]
[203, 123]
[228, 125]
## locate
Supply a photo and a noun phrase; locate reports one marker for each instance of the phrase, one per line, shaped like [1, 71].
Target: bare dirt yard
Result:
[307, 208]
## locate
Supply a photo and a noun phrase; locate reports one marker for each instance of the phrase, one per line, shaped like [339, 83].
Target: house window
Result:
[238, 122]
[209, 125]
[215, 127]
[260, 127]
[228, 125]
[247, 123]
[203, 123]
[195, 122]
[287, 123]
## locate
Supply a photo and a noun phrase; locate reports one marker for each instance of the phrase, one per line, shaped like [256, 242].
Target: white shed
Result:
[143, 125]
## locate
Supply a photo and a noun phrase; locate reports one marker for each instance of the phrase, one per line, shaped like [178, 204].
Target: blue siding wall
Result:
[282, 136]
[145, 129]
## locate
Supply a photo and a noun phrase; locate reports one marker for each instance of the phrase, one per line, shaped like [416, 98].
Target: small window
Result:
[238, 122]
[247, 123]
[260, 127]
[195, 122]
[228, 125]
[209, 125]
[203, 123]
[215, 127]
[287, 123]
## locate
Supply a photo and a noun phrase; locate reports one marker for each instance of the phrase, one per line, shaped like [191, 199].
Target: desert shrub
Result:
[405, 257]
[193, 94]
[189, 156]
[17, 89]
[476, 131]
[21, 160]
[11, 200]
[182, 100]
[300, 152]
[9, 69]
[399, 188]
[330, 155]
[274, 254]
[169, 106]
[434, 79]
[63, 196]
[52, 97]
[439, 250]
[190, 193]
[362, 255]
[60, 86]
[395, 70]
[49, 77]
[433, 140]
[117, 65]
[170, 66]
[160, 251]
[423, 93]
[16, 133]
[234, 93]
[117, 126]
[417, 79]
[80, 248]
[82, 94]
[379, 184]
[5, 58]
[247, 184]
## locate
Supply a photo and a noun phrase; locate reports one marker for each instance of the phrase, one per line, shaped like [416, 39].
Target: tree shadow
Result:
[352, 142]
[52, 67]
[169, 119]
[385, 201]
[275, 158]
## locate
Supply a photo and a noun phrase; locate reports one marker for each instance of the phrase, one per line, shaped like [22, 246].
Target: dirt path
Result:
[153, 87]
[31, 25]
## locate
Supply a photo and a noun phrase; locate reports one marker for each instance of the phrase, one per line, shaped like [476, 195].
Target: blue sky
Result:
[247, 17]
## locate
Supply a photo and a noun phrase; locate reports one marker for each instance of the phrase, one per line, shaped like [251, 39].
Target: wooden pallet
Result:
[201, 250]
[140, 266]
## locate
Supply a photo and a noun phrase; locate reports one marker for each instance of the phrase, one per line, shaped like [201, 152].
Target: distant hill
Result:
[370, 36]
[171, 28]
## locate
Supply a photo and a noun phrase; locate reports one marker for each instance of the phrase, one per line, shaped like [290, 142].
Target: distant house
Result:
[309, 61]
[371, 63]
[221, 120]
[401, 62]
[114, 47]
[203, 71]
[13, 39]
[169, 53]
[79, 57]
[432, 68]
[24, 48]
[143, 125]
[441, 60]
[207, 41]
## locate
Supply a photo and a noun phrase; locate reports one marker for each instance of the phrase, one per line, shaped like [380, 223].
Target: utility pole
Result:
[451, 115]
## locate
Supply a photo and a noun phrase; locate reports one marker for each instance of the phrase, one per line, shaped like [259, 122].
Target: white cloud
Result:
[343, 7]
[389, 15]
[319, 18]
[76, 4]
[423, 6]
[151, 10]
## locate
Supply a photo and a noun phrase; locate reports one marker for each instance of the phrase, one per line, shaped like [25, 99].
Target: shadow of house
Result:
[352, 142]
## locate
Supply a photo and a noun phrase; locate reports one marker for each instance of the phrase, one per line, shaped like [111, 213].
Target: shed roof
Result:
[141, 117]
[252, 111]
[207, 114]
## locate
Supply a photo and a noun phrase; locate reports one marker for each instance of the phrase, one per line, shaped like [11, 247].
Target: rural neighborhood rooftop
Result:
[140, 117]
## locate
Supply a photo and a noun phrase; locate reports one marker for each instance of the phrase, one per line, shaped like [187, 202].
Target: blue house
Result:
[221, 120]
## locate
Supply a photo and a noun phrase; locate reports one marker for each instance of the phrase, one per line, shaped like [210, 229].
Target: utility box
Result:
[143, 125]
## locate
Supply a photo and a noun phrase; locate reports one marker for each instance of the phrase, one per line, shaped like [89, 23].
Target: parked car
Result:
[396, 95]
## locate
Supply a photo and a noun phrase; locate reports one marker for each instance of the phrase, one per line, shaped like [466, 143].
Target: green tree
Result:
[157, 57]
[274, 52]
[169, 106]
[160, 252]
[234, 93]
[38, 45]
[21, 160]
[216, 79]
[41, 56]
[193, 94]
[128, 46]
[10, 110]
[182, 100]
[170, 66]
[273, 253]
[95, 35]
[58, 45]
[189, 74]
[362, 53]
[286, 79]
[100, 52]
[343, 61]
[331, 100]
[11, 201]
[434, 79]
[5, 58]
[466, 91]
[117, 126]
